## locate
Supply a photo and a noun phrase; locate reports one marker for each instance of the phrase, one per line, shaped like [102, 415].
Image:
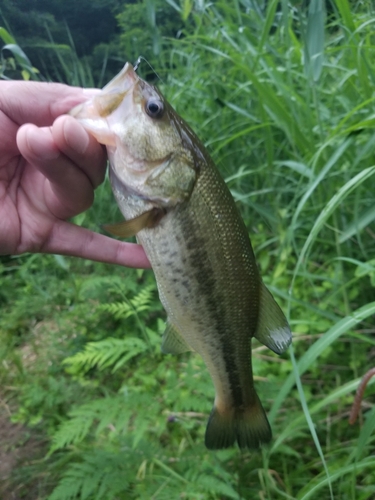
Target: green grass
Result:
[288, 116]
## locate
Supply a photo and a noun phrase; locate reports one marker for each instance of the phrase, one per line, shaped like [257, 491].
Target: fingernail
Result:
[76, 136]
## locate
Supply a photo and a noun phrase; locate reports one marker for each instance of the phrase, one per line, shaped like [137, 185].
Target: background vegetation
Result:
[283, 96]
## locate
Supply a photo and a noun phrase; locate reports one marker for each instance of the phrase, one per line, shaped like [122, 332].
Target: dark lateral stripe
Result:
[212, 297]
[213, 205]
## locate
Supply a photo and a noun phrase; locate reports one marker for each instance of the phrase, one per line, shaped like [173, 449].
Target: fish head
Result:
[150, 148]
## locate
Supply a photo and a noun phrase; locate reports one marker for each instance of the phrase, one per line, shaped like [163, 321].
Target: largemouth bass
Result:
[174, 199]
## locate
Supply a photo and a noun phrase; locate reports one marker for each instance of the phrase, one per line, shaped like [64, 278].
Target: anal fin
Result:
[173, 342]
[272, 329]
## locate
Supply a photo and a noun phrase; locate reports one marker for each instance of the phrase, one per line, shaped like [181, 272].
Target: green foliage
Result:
[80, 42]
[96, 476]
[18, 60]
[287, 114]
[45, 30]
[106, 353]
[144, 26]
[141, 302]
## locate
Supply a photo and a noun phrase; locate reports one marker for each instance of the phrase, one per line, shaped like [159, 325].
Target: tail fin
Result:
[249, 427]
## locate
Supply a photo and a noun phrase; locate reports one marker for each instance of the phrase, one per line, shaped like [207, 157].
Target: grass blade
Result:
[317, 348]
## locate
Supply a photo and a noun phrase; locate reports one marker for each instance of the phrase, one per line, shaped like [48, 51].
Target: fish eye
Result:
[154, 108]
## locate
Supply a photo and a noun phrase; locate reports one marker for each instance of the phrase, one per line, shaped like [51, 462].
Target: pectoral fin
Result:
[173, 342]
[273, 329]
[131, 227]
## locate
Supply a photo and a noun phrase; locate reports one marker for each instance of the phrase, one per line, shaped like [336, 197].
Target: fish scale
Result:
[174, 199]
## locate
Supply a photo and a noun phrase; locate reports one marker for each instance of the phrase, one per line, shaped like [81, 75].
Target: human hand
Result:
[49, 168]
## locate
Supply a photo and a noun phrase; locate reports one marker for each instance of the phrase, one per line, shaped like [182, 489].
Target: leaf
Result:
[319, 178]
[270, 16]
[21, 59]
[100, 475]
[81, 420]
[186, 10]
[299, 422]
[327, 211]
[366, 433]
[62, 262]
[141, 302]
[6, 37]
[317, 349]
[106, 353]
[311, 489]
[361, 221]
[315, 38]
[298, 167]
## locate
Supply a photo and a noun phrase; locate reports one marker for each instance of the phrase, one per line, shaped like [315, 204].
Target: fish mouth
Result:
[109, 98]
[93, 113]
[123, 81]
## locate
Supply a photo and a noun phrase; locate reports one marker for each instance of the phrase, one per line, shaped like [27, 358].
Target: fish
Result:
[175, 201]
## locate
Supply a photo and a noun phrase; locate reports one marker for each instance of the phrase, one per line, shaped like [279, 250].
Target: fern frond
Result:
[118, 310]
[68, 489]
[106, 353]
[143, 298]
[100, 475]
[74, 430]
[212, 484]
[112, 282]
[125, 309]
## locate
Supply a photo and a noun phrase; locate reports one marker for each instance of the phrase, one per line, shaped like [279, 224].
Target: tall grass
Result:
[307, 107]
[284, 101]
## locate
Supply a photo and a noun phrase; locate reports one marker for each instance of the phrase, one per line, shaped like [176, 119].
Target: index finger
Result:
[39, 103]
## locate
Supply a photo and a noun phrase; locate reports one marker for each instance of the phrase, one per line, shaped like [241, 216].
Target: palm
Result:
[29, 213]
[12, 206]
